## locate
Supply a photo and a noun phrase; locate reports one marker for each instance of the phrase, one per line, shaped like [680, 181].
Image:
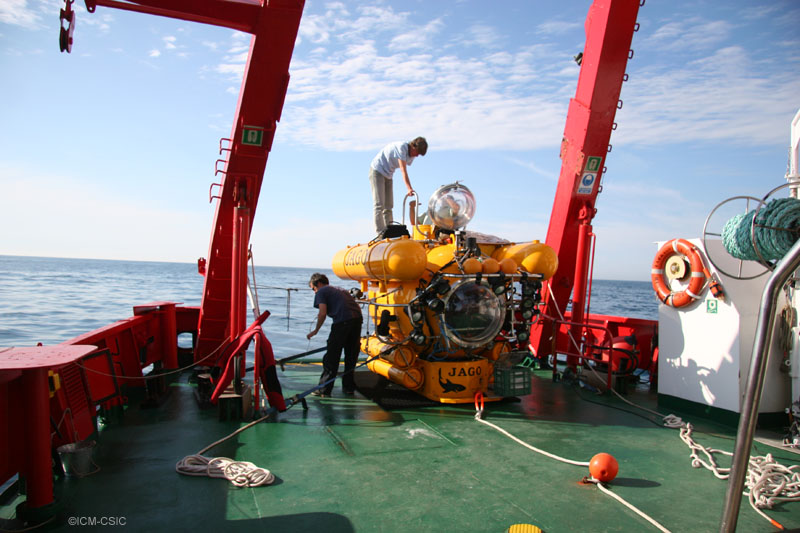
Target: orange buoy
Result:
[508, 265]
[471, 266]
[603, 467]
[490, 266]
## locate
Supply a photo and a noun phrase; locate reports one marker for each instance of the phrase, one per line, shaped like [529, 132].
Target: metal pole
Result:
[579, 282]
[37, 472]
[755, 383]
[241, 238]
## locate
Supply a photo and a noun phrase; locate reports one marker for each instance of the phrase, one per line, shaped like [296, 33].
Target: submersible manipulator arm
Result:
[609, 25]
[273, 25]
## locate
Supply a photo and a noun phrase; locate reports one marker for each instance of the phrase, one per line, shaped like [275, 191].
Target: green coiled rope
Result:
[776, 230]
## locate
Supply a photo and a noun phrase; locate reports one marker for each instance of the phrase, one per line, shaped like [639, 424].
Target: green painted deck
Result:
[346, 464]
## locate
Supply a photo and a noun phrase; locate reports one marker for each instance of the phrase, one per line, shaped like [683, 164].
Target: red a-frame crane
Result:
[273, 25]
[609, 27]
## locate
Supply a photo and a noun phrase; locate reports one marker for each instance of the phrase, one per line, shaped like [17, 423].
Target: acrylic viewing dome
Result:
[473, 314]
[452, 206]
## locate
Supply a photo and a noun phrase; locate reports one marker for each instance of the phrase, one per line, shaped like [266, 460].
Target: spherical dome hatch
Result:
[452, 206]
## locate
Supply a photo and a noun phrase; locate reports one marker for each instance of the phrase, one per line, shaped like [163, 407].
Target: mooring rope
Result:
[239, 473]
[768, 482]
[532, 448]
[244, 473]
[589, 479]
[633, 508]
[775, 231]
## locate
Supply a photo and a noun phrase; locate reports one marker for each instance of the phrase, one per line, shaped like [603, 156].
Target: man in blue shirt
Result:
[393, 156]
[345, 333]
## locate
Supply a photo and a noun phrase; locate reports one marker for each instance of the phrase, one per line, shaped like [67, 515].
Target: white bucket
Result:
[76, 458]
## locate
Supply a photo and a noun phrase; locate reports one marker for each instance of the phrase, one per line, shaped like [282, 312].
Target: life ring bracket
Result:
[698, 274]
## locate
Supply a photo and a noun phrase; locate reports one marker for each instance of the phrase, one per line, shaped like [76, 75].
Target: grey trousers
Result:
[382, 198]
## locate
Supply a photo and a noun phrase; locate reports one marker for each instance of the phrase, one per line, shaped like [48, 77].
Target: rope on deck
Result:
[768, 482]
[633, 508]
[533, 448]
[600, 485]
[240, 473]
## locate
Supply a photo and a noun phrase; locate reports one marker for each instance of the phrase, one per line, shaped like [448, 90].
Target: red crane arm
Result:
[274, 25]
[239, 15]
[609, 31]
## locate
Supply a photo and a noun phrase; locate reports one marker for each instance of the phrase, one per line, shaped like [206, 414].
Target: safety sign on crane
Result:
[252, 135]
[589, 176]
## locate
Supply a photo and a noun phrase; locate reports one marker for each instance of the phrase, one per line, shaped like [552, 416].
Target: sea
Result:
[51, 300]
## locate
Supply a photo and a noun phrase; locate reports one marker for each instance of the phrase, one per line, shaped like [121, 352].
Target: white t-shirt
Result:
[386, 162]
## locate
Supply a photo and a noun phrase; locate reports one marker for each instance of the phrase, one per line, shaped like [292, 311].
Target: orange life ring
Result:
[698, 276]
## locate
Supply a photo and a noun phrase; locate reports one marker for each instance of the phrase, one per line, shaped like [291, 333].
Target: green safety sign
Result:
[593, 164]
[711, 306]
[252, 136]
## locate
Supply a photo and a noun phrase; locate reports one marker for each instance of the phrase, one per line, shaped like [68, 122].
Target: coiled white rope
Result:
[768, 482]
[240, 473]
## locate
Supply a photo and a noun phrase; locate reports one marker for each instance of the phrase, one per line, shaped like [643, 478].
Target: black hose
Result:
[285, 360]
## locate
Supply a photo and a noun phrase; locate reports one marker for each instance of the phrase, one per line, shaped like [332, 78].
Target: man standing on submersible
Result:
[345, 333]
[393, 156]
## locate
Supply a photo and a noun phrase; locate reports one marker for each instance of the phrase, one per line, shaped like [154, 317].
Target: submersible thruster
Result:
[448, 305]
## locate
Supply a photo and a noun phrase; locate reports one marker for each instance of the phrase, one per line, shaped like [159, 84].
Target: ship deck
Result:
[347, 464]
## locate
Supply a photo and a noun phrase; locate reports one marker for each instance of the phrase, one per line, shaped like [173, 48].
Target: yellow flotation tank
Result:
[533, 257]
[400, 259]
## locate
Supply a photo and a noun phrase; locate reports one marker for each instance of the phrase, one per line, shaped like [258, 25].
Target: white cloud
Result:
[555, 27]
[416, 38]
[483, 35]
[233, 63]
[18, 13]
[154, 53]
[340, 99]
[689, 34]
[725, 95]
[100, 20]
[45, 14]
[533, 167]
[762, 11]
[360, 79]
[313, 28]
[233, 70]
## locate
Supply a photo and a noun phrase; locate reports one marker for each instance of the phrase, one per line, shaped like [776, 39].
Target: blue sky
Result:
[109, 152]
